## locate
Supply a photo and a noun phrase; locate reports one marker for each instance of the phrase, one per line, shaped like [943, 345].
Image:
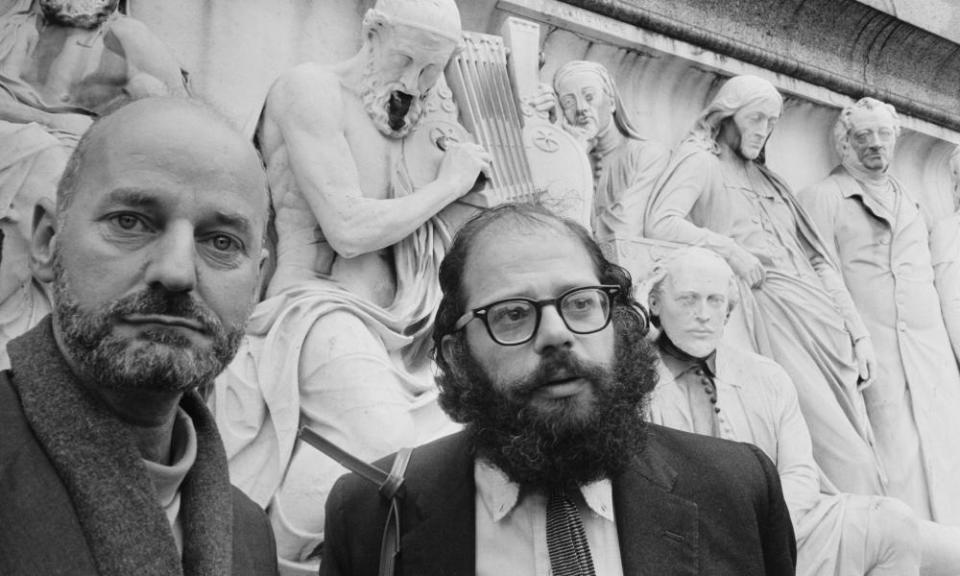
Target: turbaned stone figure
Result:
[716, 193]
[874, 228]
[62, 64]
[625, 164]
[340, 344]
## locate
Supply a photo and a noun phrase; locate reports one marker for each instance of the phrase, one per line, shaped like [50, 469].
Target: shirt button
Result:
[884, 240]
[902, 326]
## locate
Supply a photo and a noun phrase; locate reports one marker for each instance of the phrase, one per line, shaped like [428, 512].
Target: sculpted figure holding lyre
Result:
[625, 164]
[875, 230]
[62, 63]
[341, 341]
[718, 194]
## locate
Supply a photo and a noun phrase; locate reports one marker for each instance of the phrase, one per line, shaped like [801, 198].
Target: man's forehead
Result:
[517, 249]
[766, 106]
[698, 272]
[862, 117]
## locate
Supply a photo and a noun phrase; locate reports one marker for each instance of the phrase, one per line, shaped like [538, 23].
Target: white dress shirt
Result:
[512, 526]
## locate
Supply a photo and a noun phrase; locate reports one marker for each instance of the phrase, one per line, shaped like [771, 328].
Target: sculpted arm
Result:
[313, 130]
[833, 283]
[945, 253]
[799, 474]
[671, 204]
[636, 197]
[17, 112]
[822, 205]
[151, 68]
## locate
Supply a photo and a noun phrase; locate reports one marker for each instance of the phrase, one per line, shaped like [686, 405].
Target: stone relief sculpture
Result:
[945, 253]
[718, 194]
[874, 229]
[62, 63]
[625, 164]
[751, 399]
[340, 343]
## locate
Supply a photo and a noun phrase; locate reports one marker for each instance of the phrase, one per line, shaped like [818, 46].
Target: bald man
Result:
[111, 463]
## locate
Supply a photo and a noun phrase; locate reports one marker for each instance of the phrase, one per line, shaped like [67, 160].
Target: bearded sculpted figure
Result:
[717, 193]
[62, 64]
[341, 341]
[875, 230]
[625, 164]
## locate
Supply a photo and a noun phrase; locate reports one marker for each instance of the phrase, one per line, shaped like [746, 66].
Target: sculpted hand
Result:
[70, 123]
[461, 165]
[866, 361]
[544, 103]
[748, 267]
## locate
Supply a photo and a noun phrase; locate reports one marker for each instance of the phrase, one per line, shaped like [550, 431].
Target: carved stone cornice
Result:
[842, 45]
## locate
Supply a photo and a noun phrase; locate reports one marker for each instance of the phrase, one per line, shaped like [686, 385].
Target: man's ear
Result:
[44, 240]
[446, 347]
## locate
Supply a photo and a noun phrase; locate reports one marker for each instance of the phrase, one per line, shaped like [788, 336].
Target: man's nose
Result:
[702, 310]
[172, 262]
[410, 80]
[552, 332]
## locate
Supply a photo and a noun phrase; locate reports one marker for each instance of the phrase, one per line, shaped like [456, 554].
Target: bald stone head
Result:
[156, 246]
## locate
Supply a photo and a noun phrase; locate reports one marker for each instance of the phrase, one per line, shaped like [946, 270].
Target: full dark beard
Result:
[559, 448]
[86, 14]
[160, 360]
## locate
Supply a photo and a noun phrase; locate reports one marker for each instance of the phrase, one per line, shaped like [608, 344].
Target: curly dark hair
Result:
[519, 216]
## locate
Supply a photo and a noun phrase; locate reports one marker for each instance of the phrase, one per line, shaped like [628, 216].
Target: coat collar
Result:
[96, 458]
[658, 530]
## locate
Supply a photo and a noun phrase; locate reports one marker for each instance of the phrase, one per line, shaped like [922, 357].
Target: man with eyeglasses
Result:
[543, 359]
[877, 233]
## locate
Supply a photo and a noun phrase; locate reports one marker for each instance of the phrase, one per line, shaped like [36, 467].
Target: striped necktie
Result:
[566, 539]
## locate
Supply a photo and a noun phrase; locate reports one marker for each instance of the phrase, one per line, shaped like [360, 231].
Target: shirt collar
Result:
[669, 350]
[183, 453]
[500, 495]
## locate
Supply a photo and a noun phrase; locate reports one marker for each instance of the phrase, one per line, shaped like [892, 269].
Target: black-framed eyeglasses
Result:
[515, 321]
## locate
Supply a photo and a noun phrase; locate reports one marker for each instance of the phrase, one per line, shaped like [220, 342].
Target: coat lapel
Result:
[658, 530]
[96, 459]
[440, 537]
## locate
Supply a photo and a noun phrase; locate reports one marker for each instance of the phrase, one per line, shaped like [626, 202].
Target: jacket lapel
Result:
[658, 530]
[96, 459]
[440, 537]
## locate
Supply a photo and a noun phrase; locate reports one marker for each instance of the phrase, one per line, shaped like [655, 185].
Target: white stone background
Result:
[234, 49]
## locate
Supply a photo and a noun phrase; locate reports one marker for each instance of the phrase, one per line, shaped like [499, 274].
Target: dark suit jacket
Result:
[41, 532]
[688, 504]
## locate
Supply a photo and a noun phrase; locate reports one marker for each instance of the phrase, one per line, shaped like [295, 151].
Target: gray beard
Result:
[159, 361]
[375, 96]
[85, 14]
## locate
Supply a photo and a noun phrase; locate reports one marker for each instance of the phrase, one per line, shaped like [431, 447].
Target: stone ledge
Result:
[841, 45]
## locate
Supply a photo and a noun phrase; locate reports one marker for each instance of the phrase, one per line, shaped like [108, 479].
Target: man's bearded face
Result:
[394, 112]
[161, 361]
[86, 14]
[586, 104]
[565, 446]
[750, 126]
[871, 139]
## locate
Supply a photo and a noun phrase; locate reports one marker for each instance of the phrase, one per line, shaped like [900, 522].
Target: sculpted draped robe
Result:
[886, 262]
[801, 316]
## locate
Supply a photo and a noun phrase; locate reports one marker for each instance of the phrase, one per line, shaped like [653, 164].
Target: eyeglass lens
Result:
[583, 311]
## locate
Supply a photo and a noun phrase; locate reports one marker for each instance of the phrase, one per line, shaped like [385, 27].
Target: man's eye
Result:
[511, 313]
[224, 243]
[128, 222]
